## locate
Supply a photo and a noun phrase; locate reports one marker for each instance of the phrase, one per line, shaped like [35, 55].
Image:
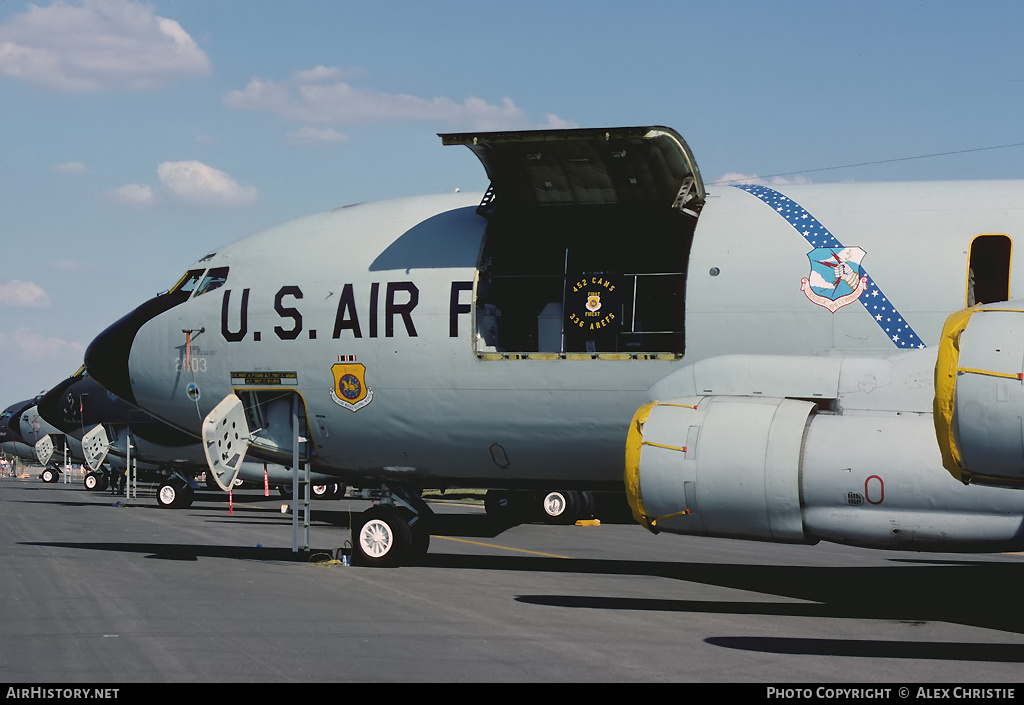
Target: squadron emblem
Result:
[836, 277]
[350, 390]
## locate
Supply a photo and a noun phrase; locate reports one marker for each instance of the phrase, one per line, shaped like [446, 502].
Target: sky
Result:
[135, 137]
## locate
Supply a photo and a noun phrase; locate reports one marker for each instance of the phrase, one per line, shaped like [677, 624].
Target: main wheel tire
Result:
[419, 544]
[48, 475]
[380, 537]
[502, 506]
[559, 507]
[419, 541]
[92, 481]
[332, 490]
[588, 505]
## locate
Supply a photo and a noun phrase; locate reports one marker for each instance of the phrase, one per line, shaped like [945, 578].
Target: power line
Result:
[880, 161]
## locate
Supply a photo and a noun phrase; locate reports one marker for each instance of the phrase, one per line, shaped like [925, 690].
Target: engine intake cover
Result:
[721, 466]
[979, 394]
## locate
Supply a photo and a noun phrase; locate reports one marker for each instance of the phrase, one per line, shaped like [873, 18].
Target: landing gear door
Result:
[95, 445]
[44, 449]
[225, 440]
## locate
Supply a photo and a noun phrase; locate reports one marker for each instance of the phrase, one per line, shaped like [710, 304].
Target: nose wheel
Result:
[174, 494]
[383, 537]
[95, 481]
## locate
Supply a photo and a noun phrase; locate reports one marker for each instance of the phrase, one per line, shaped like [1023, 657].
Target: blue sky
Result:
[135, 137]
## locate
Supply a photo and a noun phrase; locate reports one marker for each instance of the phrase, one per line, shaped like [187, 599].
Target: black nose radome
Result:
[106, 358]
[56, 408]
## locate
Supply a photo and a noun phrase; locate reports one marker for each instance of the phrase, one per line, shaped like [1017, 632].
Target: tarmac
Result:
[106, 590]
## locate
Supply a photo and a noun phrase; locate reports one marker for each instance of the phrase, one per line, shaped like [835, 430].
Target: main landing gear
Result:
[551, 507]
[394, 532]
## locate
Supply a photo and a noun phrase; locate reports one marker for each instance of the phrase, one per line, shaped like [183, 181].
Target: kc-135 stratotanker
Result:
[800, 363]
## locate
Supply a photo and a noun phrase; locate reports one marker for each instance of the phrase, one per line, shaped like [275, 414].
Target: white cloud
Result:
[71, 168]
[66, 265]
[188, 182]
[734, 177]
[313, 135]
[553, 122]
[97, 44]
[34, 345]
[195, 182]
[22, 294]
[324, 95]
[133, 195]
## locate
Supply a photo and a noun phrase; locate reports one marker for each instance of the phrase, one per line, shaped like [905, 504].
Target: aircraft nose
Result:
[52, 407]
[106, 358]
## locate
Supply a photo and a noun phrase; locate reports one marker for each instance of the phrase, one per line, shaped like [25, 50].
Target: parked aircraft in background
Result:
[49, 446]
[750, 362]
[111, 432]
[10, 434]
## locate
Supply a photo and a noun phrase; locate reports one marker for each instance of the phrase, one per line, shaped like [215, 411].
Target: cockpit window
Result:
[214, 279]
[188, 283]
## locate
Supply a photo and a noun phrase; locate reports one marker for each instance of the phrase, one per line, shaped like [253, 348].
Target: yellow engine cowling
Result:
[979, 394]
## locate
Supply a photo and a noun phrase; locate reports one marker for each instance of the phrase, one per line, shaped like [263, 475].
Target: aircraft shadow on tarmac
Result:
[973, 593]
[875, 648]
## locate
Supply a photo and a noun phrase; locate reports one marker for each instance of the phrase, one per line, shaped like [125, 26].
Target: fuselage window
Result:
[988, 272]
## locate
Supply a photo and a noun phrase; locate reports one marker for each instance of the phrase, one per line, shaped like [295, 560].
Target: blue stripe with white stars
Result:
[817, 235]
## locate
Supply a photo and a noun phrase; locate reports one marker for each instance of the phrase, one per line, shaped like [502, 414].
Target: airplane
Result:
[105, 426]
[750, 361]
[10, 434]
[47, 445]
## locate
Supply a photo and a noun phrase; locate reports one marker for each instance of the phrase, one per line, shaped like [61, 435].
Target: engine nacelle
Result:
[780, 470]
[979, 394]
[723, 466]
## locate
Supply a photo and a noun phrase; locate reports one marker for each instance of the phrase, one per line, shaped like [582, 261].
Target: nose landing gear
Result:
[393, 533]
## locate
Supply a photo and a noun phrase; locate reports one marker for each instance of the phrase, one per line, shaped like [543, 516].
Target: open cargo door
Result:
[587, 243]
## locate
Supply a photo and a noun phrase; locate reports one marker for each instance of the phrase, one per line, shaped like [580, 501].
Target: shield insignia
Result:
[350, 390]
[836, 277]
